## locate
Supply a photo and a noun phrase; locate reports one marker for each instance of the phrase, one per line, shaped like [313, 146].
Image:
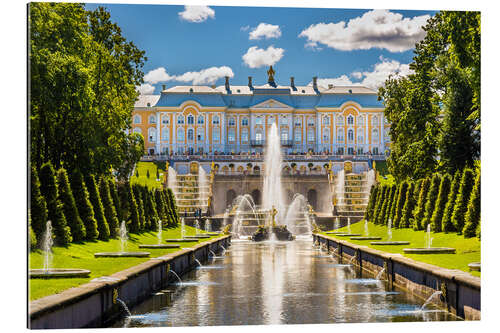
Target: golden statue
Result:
[270, 74]
[273, 214]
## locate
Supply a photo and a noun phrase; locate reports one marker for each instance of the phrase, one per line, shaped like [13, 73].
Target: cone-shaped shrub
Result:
[69, 205]
[109, 208]
[84, 206]
[371, 203]
[431, 199]
[173, 208]
[394, 204]
[409, 205]
[446, 224]
[38, 207]
[123, 196]
[378, 204]
[388, 205]
[48, 188]
[160, 206]
[116, 199]
[437, 215]
[383, 205]
[463, 196]
[151, 207]
[473, 214]
[478, 229]
[135, 225]
[400, 201]
[418, 214]
[95, 199]
[140, 206]
[31, 235]
[168, 209]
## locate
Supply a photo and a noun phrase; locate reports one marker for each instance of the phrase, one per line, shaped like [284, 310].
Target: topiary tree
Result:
[418, 214]
[37, 209]
[109, 208]
[124, 212]
[151, 207]
[135, 224]
[173, 208]
[31, 235]
[446, 224]
[383, 206]
[170, 218]
[394, 204]
[431, 199]
[408, 207]
[473, 214]
[48, 188]
[464, 192]
[85, 209]
[66, 197]
[379, 202]
[400, 201]
[116, 199]
[371, 203]
[388, 205]
[442, 198]
[140, 206]
[95, 199]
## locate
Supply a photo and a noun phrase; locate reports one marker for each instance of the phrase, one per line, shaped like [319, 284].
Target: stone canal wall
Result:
[461, 292]
[96, 303]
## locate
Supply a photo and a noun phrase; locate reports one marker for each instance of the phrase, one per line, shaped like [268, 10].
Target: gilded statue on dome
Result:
[270, 74]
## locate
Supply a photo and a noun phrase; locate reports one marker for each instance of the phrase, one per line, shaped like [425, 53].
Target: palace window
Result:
[200, 137]
[201, 120]
[375, 150]
[152, 134]
[258, 120]
[284, 120]
[360, 151]
[340, 151]
[375, 135]
[350, 120]
[271, 120]
[231, 135]
[340, 120]
[137, 119]
[244, 135]
[258, 136]
[374, 121]
[298, 122]
[180, 150]
[340, 135]
[152, 119]
[165, 120]
[180, 119]
[190, 120]
[216, 134]
[350, 151]
[360, 120]
[326, 136]
[350, 135]
[244, 121]
[215, 120]
[326, 120]
[298, 135]
[180, 135]
[310, 121]
[137, 130]
[284, 134]
[231, 121]
[190, 135]
[165, 134]
[360, 135]
[310, 135]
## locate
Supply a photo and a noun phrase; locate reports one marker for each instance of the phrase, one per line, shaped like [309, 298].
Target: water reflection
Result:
[277, 283]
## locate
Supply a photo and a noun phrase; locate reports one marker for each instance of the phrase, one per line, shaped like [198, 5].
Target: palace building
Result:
[332, 120]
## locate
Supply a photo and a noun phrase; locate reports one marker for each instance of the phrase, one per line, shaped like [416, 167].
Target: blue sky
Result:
[200, 45]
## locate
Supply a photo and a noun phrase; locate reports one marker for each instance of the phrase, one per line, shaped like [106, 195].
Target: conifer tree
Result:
[401, 199]
[116, 199]
[140, 206]
[124, 200]
[31, 235]
[379, 203]
[371, 203]
[135, 224]
[38, 207]
[173, 208]
[388, 205]
[446, 224]
[431, 199]
[437, 215]
[473, 214]
[84, 206]
[48, 188]
[151, 207]
[95, 199]
[66, 197]
[478, 229]
[394, 203]
[463, 196]
[168, 209]
[409, 205]
[418, 214]
[160, 207]
[109, 208]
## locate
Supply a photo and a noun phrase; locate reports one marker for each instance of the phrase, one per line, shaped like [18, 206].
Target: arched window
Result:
[200, 137]
[270, 120]
[284, 120]
[361, 138]
[326, 120]
[298, 122]
[310, 135]
[152, 119]
[340, 135]
[340, 121]
[216, 134]
[165, 119]
[258, 120]
[137, 119]
[244, 135]
[350, 120]
[298, 134]
[165, 134]
[190, 135]
[215, 120]
[231, 121]
[310, 121]
[137, 130]
[231, 135]
[326, 135]
[258, 135]
[180, 135]
[190, 119]
[284, 134]
[350, 135]
[374, 121]
[201, 119]
[375, 135]
[152, 134]
[244, 121]
[180, 119]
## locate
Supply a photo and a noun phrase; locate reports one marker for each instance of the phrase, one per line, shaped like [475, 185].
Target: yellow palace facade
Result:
[333, 120]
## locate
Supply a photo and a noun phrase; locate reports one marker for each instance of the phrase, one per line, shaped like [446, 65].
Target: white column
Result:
[174, 131]
[157, 132]
[236, 135]
[205, 123]
[222, 125]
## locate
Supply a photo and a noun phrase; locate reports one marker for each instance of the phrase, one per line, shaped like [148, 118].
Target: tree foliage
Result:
[418, 214]
[446, 224]
[401, 200]
[84, 206]
[66, 197]
[442, 198]
[463, 196]
[430, 201]
[407, 213]
[37, 206]
[473, 214]
[109, 208]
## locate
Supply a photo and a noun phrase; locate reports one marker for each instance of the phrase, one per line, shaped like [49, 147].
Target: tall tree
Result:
[109, 207]
[84, 206]
[430, 201]
[400, 204]
[69, 206]
[473, 214]
[442, 198]
[446, 224]
[407, 213]
[463, 196]
[95, 199]
[37, 209]
[418, 213]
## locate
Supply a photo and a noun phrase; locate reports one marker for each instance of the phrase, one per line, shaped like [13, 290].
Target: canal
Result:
[277, 283]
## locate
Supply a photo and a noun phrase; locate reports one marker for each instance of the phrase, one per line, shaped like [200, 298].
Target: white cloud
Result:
[255, 57]
[145, 89]
[157, 75]
[245, 28]
[197, 14]
[265, 30]
[206, 76]
[375, 29]
[372, 79]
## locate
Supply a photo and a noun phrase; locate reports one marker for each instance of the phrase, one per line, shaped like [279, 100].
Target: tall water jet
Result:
[336, 225]
[47, 244]
[348, 225]
[272, 192]
[367, 231]
[160, 231]
[428, 239]
[203, 188]
[208, 226]
[339, 187]
[172, 179]
[370, 179]
[389, 230]
[123, 245]
[298, 219]
[196, 225]
[123, 236]
[183, 229]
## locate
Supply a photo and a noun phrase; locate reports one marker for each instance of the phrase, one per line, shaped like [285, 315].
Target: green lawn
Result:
[467, 249]
[82, 256]
[151, 182]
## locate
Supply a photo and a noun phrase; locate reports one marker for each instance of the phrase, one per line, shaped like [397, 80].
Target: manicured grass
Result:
[150, 182]
[467, 249]
[82, 256]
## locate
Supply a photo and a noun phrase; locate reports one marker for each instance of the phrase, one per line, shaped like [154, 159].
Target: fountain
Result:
[177, 276]
[197, 234]
[367, 234]
[429, 249]
[184, 238]
[336, 226]
[389, 240]
[159, 245]
[348, 234]
[434, 294]
[123, 245]
[47, 272]
[298, 218]
[208, 228]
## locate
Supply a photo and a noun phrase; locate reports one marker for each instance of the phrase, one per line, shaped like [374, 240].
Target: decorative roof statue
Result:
[270, 76]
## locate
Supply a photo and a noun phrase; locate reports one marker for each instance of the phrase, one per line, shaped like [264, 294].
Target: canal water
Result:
[277, 283]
